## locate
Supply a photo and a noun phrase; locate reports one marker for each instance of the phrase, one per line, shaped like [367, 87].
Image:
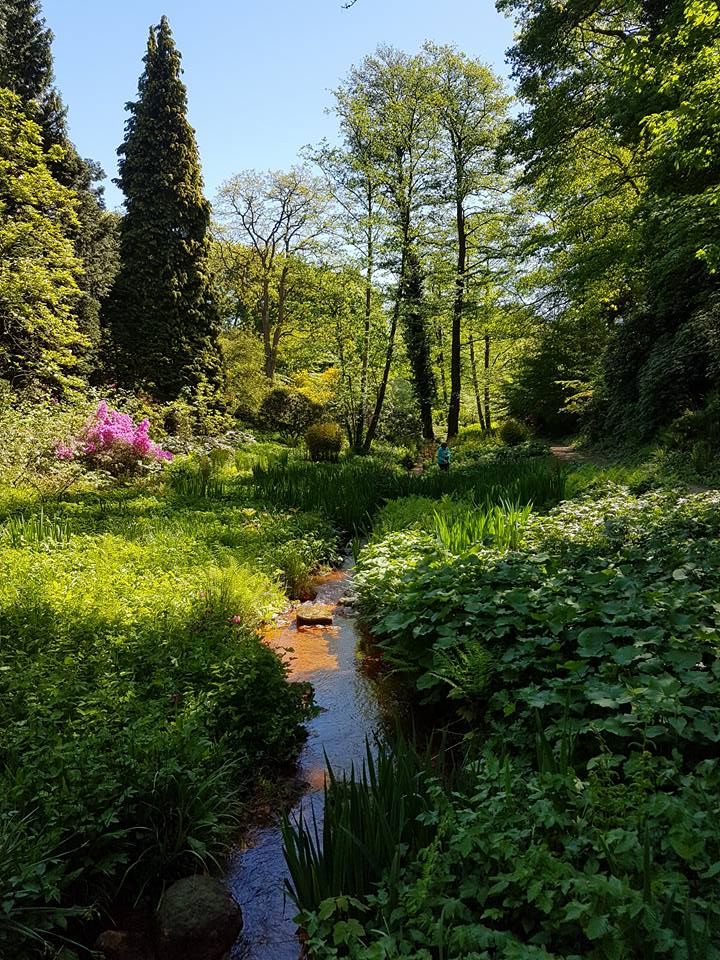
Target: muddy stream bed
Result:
[353, 708]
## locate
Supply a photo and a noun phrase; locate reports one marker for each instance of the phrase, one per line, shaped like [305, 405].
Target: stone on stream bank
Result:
[314, 615]
[122, 945]
[197, 920]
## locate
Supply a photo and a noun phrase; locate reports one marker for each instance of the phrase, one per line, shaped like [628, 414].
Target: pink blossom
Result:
[113, 438]
[64, 452]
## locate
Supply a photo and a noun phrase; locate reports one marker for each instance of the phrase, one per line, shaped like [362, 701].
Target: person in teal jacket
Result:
[443, 456]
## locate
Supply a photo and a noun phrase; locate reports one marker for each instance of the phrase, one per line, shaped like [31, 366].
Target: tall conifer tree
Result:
[25, 50]
[161, 315]
[26, 68]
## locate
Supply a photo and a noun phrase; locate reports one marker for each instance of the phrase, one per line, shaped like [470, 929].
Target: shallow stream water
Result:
[351, 710]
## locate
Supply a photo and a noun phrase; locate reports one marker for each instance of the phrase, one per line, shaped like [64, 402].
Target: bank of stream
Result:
[353, 708]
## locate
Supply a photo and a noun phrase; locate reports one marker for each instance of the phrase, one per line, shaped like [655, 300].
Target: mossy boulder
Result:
[197, 920]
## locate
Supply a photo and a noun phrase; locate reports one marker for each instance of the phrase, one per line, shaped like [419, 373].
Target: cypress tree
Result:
[161, 316]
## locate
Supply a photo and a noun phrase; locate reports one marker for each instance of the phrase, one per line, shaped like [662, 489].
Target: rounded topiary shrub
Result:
[288, 412]
[512, 432]
[324, 441]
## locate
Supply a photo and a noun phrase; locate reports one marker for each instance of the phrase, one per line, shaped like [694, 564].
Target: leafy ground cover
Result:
[582, 661]
[139, 710]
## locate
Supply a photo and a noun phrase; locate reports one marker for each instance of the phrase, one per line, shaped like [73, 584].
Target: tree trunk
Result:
[265, 320]
[441, 361]
[362, 412]
[488, 420]
[458, 308]
[476, 384]
[380, 399]
[417, 340]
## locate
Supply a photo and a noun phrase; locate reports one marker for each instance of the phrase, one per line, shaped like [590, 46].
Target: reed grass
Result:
[39, 528]
[500, 525]
[374, 819]
[350, 493]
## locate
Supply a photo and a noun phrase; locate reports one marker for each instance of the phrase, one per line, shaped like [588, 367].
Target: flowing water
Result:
[351, 710]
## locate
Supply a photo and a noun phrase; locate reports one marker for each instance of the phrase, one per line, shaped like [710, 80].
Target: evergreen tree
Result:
[25, 50]
[39, 339]
[26, 68]
[161, 314]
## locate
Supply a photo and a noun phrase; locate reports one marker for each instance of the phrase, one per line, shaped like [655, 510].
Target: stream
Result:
[351, 710]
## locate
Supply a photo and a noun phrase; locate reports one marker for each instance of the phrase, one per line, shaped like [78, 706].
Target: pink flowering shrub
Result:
[110, 441]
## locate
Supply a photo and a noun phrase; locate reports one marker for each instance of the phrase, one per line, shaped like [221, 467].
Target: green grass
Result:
[139, 710]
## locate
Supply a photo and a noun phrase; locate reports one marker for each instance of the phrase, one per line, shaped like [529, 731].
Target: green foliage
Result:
[25, 50]
[592, 555]
[26, 68]
[372, 820]
[245, 380]
[616, 139]
[37, 529]
[475, 433]
[31, 426]
[417, 338]
[288, 412]
[161, 315]
[544, 865]
[585, 824]
[324, 441]
[400, 422]
[499, 525]
[129, 645]
[702, 455]
[512, 432]
[693, 426]
[39, 290]
[351, 492]
[549, 375]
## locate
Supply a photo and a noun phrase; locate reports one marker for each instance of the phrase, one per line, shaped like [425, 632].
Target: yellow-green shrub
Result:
[324, 441]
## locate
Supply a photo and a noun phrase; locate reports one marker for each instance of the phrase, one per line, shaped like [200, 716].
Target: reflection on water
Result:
[350, 713]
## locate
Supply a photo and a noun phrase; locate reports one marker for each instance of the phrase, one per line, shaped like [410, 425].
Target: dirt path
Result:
[568, 454]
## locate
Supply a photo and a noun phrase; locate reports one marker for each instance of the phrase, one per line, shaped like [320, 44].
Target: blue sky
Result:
[258, 72]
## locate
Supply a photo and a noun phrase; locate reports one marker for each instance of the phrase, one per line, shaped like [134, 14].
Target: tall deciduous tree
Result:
[629, 90]
[388, 95]
[161, 315]
[39, 340]
[355, 184]
[472, 108]
[279, 218]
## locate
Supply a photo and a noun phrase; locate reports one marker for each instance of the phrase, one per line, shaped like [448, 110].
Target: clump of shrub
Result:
[179, 419]
[512, 432]
[694, 425]
[288, 412]
[110, 441]
[324, 441]
[702, 456]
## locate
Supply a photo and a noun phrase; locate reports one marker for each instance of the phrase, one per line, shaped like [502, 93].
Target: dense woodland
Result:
[203, 401]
